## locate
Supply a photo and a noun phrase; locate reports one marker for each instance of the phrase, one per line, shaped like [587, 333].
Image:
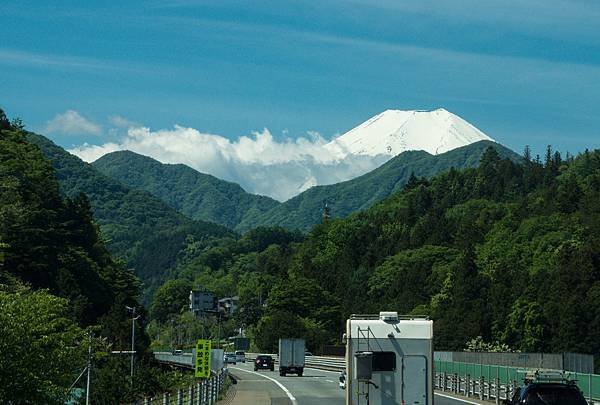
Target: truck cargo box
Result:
[291, 356]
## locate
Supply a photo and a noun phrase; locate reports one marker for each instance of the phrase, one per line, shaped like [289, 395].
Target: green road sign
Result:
[203, 358]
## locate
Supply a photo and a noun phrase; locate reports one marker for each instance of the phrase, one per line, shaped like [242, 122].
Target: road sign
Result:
[203, 358]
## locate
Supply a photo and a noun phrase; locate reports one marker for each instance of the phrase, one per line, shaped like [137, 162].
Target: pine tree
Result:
[4, 123]
[527, 154]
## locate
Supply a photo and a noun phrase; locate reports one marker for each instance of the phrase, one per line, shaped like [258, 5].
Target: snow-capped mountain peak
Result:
[394, 131]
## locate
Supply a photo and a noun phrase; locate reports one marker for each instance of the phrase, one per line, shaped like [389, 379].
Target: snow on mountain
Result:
[393, 132]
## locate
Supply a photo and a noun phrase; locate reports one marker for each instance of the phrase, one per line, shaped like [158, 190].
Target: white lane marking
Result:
[456, 399]
[287, 392]
[326, 371]
[329, 381]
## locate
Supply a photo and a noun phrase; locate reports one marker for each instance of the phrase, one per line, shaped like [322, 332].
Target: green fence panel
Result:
[588, 384]
[471, 369]
[596, 386]
[582, 381]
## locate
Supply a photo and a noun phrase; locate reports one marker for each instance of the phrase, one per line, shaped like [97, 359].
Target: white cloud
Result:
[122, 122]
[71, 122]
[260, 163]
[89, 153]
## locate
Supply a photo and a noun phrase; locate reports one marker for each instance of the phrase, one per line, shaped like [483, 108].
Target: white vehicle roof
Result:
[393, 326]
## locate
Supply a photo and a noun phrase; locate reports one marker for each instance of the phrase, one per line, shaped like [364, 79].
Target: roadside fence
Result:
[491, 382]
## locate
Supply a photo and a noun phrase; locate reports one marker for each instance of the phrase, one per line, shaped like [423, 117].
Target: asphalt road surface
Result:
[315, 387]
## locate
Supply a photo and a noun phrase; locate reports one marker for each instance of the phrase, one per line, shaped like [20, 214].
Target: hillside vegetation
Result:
[204, 197]
[506, 251]
[306, 209]
[136, 225]
[194, 194]
[61, 290]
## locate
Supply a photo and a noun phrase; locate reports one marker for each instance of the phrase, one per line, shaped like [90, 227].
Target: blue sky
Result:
[524, 72]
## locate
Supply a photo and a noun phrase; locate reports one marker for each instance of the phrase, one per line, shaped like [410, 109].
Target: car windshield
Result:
[554, 395]
[264, 357]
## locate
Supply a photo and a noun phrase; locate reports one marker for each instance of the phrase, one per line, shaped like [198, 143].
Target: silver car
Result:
[230, 358]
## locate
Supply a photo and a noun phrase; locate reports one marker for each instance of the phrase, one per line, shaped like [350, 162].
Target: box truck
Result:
[291, 356]
[389, 360]
[241, 343]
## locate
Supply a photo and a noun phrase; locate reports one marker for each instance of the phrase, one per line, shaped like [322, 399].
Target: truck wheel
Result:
[282, 373]
[300, 373]
[272, 368]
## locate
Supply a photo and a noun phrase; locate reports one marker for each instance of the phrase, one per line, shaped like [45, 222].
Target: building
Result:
[203, 302]
[228, 306]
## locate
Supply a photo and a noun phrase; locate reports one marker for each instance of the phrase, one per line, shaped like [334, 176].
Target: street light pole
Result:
[133, 319]
[89, 371]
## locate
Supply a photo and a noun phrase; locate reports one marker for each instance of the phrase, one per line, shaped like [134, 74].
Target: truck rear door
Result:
[414, 379]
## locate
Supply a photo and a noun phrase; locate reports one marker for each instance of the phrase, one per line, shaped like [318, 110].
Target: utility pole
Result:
[218, 329]
[89, 371]
[133, 319]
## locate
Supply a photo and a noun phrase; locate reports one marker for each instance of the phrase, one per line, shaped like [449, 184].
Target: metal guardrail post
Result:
[456, 383]
[191, 395]
[146, 401]
[591, 387]
[497, 391]
[215, 390]
[198, 393]
[468, 385]
[481, 387]
[209, 392]
[445, 378]
[218, 387]
[179, 397]
[166, 398]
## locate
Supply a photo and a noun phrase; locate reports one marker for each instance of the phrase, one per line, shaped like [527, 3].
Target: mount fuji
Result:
[282, 169]
[394, 131]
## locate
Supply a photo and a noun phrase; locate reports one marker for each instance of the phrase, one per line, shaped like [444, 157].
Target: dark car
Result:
[547, 391]
[264, 361]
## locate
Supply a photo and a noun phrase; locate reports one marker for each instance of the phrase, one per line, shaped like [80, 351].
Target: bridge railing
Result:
[490, 382]
[472, 380]
[205, 392]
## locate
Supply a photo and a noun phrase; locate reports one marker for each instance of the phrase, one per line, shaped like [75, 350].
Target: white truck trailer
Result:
[291, 356]
[389, 360]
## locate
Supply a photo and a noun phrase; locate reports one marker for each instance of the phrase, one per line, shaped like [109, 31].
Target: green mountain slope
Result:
[505, 253]
[194, 194]
[305, 210]
[138, 226]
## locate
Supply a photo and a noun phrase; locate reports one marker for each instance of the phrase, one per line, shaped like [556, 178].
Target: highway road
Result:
[315, 387]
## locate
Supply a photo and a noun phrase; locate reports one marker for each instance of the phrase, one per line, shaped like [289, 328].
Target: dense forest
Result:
[508, 251]
[204, 197]
[61, 290]
[137, 226]
[197, 195]
[304, 210]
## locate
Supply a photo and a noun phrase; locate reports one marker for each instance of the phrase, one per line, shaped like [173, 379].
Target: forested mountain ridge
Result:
[136, 225]
[197, 195]
[60, 290]
[305, 210]
[509, 251]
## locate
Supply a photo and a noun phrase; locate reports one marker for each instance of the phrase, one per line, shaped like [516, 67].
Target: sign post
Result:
[203, 349]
